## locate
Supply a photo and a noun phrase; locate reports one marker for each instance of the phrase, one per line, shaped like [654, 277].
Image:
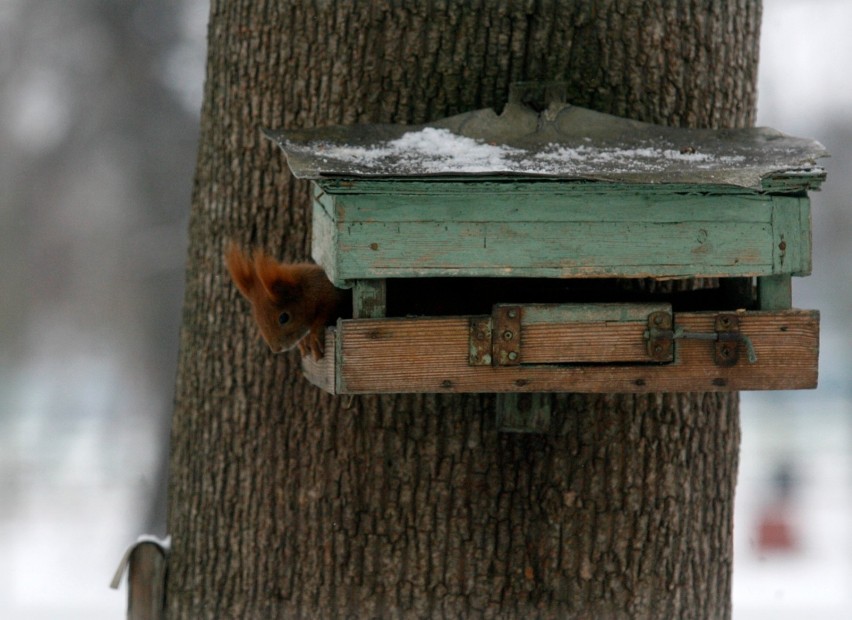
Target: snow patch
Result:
[434, 151]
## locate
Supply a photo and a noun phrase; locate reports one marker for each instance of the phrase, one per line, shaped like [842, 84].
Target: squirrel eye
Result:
[283, 318]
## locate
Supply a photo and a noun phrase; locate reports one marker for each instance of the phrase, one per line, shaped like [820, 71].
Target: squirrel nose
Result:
[275, 347]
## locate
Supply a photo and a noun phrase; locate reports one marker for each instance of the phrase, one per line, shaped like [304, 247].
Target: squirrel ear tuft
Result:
[241, 269]
[279, 281]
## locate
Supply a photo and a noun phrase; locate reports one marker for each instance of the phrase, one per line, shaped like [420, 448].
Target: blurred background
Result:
[99, 105]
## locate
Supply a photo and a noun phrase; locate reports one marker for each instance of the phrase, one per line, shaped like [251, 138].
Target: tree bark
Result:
[286, 503]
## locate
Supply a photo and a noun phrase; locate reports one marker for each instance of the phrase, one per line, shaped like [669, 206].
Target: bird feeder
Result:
[550, 218]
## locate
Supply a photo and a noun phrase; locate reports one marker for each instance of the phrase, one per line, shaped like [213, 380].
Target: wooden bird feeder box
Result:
[500, 253]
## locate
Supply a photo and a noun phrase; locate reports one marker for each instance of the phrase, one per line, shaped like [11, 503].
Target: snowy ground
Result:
[77, 458]
[814, 436]
[72, 476]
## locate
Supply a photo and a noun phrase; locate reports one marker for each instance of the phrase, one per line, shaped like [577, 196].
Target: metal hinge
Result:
[496, 340]
[662, 333]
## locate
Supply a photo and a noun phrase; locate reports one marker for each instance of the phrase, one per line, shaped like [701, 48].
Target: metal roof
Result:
[562, 142]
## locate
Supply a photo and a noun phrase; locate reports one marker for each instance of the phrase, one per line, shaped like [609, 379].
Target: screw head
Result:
[513, 314]
[513, 356]
[508, 334]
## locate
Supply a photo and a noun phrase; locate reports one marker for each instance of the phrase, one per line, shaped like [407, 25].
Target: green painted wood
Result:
[543, 314]
[799, 252]
[533, 249]
[369, 299]
[324, 240]
[775, 293]
[805, 241]
[791, 237]
[558, 230]
[520, 203]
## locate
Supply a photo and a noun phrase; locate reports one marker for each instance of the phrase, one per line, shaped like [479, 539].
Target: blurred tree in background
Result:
[99, 112]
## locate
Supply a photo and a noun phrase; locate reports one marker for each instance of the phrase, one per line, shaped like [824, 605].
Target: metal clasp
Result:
[662, 333]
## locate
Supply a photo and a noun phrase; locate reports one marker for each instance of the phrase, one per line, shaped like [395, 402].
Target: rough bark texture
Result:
[283, 502]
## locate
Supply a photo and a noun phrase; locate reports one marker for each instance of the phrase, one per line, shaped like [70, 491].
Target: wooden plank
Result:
[584, 343]
[469, 202]
[323, 373]
[146, 582]
[585, 333]
[549, 229]
[431, 355]
[533, 249]
[806, 236]
[495, 185]
[324, 242]
[791, 235]
[789, 183]
[546, 314]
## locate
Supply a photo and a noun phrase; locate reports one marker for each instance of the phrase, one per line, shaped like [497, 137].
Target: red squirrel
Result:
[292, 303]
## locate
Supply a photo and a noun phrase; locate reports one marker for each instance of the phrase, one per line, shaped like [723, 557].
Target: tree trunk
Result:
[286, 503]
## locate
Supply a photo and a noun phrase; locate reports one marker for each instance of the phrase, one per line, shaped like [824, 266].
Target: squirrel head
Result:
[276, 293]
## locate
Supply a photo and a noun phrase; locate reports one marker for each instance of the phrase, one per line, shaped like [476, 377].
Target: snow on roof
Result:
[563, 142]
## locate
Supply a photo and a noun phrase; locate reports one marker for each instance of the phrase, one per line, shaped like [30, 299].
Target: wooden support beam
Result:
[145, 562]
[369, 299]
[522, 413]
[775, 292]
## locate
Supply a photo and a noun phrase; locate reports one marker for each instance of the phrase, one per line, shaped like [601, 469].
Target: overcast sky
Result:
[805, 62]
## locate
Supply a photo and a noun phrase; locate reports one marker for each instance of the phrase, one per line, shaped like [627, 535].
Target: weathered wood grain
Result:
[431, 355]
[549, 229]
[585, 333]
[583, 343]
[146, 582]
[323, 372]
[369, 299]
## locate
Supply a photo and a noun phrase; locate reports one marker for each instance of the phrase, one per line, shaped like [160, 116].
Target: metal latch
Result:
[662, 333]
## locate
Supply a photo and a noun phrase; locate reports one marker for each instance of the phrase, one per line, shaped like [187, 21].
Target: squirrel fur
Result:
[291, 302]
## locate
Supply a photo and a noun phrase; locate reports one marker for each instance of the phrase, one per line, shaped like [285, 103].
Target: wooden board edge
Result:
[323, 372]
[431, 355]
